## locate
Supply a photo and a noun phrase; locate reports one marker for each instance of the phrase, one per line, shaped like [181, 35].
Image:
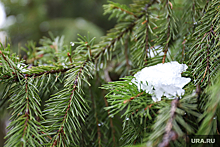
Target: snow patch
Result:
[162, 79]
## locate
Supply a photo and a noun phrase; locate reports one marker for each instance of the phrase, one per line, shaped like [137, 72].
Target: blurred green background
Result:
[32, 19]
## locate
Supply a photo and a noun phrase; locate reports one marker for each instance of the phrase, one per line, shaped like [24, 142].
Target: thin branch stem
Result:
[34, 74]
[70, 58]
[208, 52]
[183, 51]
[27, 108]
[170, 135]
[126, 11]
[126, 53]
[147, 35]
[111, 124]
[207, 70]
[168, 33]
[68, 107]
[40, 73]
[6, 60]
[89, 48]
[148, 107]
[96, 117]
[133, 97]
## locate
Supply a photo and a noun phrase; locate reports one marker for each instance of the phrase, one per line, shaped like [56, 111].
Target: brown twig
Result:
[146, 39]
[217, 131]
[207, 70]
[40, 73]
[207, 59]
[192, 15]
[147, 31]
[33, 59]
[133, 97]
[168, 34]
[70, 58]
[148, 107]
[126, 11]
[27, 109]
[183, 50]
[47, 135]
[89, 48]
[204, 74]
[170, 135]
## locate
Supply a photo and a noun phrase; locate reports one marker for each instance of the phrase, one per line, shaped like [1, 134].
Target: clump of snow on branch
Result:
[21, 66]
[162, 79]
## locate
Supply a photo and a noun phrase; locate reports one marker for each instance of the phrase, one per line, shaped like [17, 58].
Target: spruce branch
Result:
[124, 10]
[171, 123]
[168, 6]
[6, 60]
[146, 32]
[49, 72]
[143, 32]
[125, 99]
[204, 47]
[121, 12]
[67, 109]
[207, 70]
[211, 109]
[24, 126]
[33, 72]
[35, 75]
[15, 72]
[147, 28]
[169, 134]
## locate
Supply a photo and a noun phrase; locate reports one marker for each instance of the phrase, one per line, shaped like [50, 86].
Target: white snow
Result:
[162, 79]
[21, 67]
[3, 34]
[157, 51]
[72, 43]
[2, 15]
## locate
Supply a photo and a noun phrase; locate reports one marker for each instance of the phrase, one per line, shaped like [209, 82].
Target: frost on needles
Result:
[162, 79]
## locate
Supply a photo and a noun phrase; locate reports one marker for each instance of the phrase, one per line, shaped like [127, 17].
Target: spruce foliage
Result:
[82, 95]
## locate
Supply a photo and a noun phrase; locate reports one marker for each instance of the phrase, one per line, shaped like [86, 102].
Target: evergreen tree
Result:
[83, 94]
